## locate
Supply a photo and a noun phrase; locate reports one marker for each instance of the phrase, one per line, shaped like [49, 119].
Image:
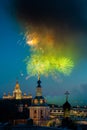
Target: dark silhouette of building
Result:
[66, 106]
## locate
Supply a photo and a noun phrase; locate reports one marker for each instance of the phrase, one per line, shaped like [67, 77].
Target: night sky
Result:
[67, 21]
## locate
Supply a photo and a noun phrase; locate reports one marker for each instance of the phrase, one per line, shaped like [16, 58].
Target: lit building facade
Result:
[39, 110]
[17, 94]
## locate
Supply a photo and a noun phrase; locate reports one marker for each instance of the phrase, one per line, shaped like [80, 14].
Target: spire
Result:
[39, 89]
[16, 80]
[17, 86]
[39, 82]
[66, 93]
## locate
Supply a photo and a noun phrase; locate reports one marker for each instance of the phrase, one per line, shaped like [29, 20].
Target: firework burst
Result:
[45, 65]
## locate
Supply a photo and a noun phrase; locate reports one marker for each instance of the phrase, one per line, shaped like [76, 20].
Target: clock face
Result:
[35, 101]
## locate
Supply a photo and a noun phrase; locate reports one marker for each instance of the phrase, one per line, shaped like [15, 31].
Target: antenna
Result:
[16, 79]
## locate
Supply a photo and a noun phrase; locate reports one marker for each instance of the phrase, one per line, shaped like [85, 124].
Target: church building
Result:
[66, 106]
[39, 110]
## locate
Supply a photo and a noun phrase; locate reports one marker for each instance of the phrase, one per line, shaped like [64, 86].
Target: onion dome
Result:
[66, 105]
[39, 100]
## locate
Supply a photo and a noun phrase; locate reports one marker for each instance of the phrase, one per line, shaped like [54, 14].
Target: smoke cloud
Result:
[67, 20]
[54, 28]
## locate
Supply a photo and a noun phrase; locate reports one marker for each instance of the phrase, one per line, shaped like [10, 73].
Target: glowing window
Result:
[35, 101]
[41, 101]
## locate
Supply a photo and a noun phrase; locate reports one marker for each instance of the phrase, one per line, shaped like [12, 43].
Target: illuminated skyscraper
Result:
[17, 93]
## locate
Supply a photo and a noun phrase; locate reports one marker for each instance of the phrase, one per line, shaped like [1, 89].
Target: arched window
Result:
[41, 113]
[35, 112]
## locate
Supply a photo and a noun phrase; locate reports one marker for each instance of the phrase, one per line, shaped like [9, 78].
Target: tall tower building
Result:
[17, 93]
[39, 110]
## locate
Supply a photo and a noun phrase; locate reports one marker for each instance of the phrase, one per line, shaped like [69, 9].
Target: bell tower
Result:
[39, 110]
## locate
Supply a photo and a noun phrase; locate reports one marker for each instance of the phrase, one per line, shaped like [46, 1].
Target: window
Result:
[36, 101]
[41, 113]
[35, 111]
[41, 101]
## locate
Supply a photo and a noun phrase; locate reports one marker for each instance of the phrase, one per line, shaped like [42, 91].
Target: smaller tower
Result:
[17, 94]
[39, 88]
[39, 110]
[66, 106]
